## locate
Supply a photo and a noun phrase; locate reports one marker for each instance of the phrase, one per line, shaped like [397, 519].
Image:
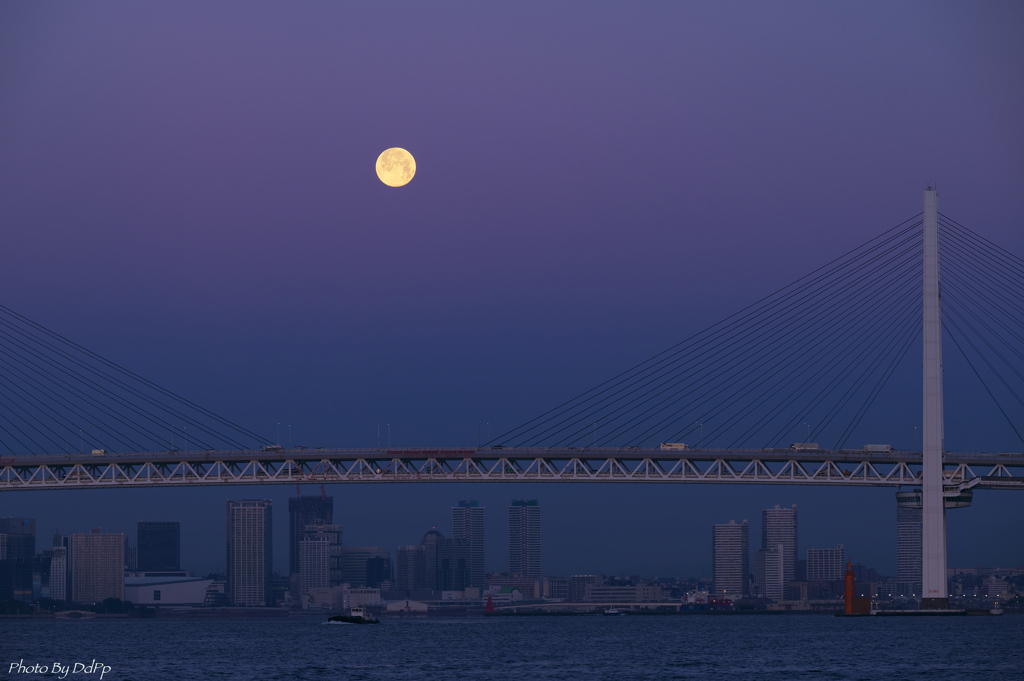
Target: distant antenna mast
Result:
[298, 492]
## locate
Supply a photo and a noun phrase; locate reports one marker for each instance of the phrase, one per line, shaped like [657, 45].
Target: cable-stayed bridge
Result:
[752, 395]
[963, 474]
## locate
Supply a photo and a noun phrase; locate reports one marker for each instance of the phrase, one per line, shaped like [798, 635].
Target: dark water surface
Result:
[681, 647]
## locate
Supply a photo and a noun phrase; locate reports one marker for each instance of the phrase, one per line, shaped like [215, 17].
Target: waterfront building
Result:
[996, 587]
[314, 563]
[468, 522]
[98, 566]
[249, 552]
[768, 573]
[58, 574]
[555, 589]
[730, 559]
[332, 534]
[908, 539]
[453, 564]
[159, 546]
[778, 526]
[41, 566]
[524, 538]
[64, 541]
[3, 547]
[303, 511]
[578, 586]
[411, 568]
[167, 590]
[362, 598]
[131, 556]
[365, 566]
[826, 565]
[16, 579]
[529, 587]
[20, 537]
[429, 543]
[643, 593]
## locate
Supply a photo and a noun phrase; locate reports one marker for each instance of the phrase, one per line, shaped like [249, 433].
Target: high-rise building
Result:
[429, 543]
[411, 568]
[131, 556]
[58, 574]
[98, 566]
[768, 573]
[778, 526]
[3, 547]
[826, 565]
[908, 539]
[453, 564]
[64, 541]
[159, 546]
[21, 537]
[250, 552]
[524, 538]
[303, 511]
[332, 533]
[730, 559]
[42, 564]
[468, 522]
[365, 566]
[16, 579]
[314, 563]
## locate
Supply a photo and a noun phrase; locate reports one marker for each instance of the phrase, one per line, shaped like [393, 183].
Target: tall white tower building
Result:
[778, 526]
[524, 538]
[730, 559]
[250, 552]
[768, 573]
[468, 522]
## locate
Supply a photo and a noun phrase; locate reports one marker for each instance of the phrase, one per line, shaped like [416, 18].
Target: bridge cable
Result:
[751, 358]
[137, 377]
[690, 369]
[989, 391]
[752, 353]
[111, 395]
[741, 314]
[837, 342]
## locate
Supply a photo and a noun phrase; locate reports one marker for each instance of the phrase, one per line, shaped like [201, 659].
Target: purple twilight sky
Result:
[188, 189]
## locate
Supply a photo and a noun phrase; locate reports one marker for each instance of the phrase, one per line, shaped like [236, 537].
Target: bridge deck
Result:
[1013, 459]
[329, 466]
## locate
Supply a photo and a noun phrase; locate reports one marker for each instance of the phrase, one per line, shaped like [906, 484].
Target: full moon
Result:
[395, 167]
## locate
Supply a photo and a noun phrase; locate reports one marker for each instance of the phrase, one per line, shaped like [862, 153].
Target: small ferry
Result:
[355, 616]
[612, 612]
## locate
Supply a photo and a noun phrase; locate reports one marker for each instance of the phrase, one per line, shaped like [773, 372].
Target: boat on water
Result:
[612, 612]
[355, 616]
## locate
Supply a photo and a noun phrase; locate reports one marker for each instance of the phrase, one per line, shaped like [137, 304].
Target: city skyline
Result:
[113, 267]
[439, 564]
[475, 323]
[676, 173]
[822, 532]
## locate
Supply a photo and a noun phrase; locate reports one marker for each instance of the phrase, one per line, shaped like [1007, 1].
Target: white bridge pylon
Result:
[933, 514]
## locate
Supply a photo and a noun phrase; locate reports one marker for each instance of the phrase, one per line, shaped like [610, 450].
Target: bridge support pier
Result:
[933, 516]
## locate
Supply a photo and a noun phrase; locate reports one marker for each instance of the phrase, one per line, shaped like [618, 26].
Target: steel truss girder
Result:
[18, 475]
